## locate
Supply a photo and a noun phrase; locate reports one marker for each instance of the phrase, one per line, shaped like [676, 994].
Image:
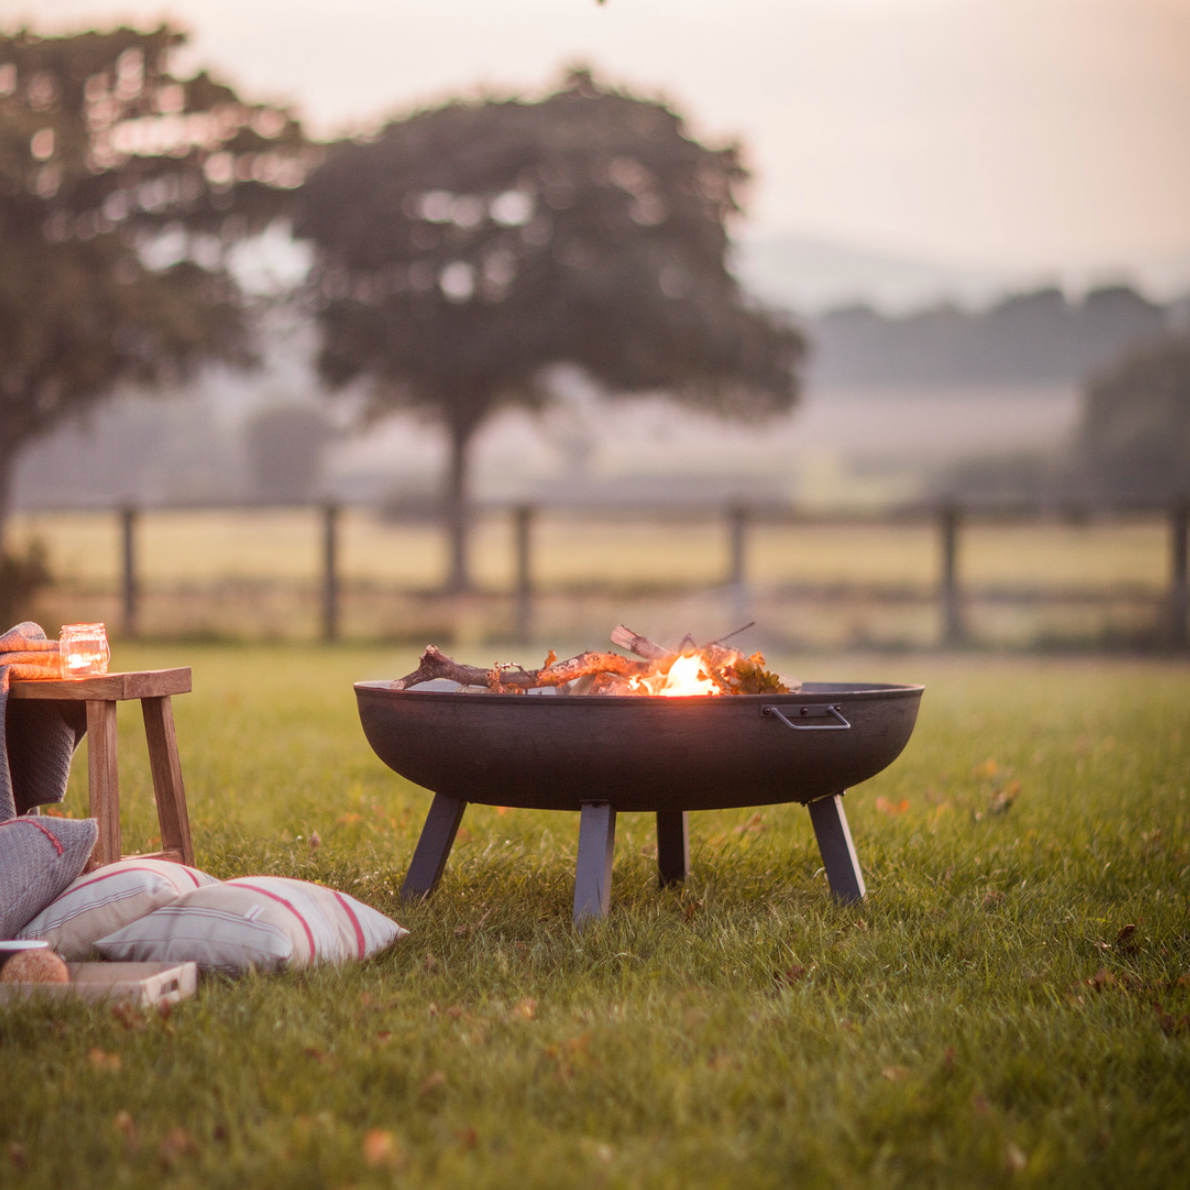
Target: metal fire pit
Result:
[667, 756]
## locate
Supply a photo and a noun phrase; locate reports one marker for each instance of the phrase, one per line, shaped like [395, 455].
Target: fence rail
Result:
[955, 597]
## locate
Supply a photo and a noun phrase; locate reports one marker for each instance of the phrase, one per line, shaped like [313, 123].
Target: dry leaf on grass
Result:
[176, 1144]
[382, 1150]
[102, 1060]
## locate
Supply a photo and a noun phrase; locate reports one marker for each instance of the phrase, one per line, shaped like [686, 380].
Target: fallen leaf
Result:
[896, 1074]
[102, 1060]
[1015, 1159]
[126, 1127]
[1172, 1026]
[129, 1016]
[466, 1139]
[432, 1082]
[791, 974]
[1125, 943]
[382, 1150]
[754, 826]
[526, 1008]
[890, 808]
[17, 1154]
[175, 1144]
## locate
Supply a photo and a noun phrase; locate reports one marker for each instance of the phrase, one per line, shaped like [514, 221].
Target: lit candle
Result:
[84, 650]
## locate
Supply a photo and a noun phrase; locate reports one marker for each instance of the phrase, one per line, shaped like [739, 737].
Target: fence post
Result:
[737, 564]
[1179, 572]
[330, 572]
[129, 592]
[523, 535]
[953, 629]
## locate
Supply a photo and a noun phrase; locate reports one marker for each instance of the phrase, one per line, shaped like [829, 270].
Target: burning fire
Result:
[711, 669]
[686, 676]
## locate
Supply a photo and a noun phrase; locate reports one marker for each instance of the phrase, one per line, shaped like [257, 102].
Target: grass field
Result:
[983, 1019]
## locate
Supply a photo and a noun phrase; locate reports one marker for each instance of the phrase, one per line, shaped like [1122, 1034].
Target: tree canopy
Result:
[122, 189]
[462, 250]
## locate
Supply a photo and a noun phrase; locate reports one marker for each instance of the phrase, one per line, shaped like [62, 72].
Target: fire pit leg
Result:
[593, 877]
[433, 847]
[838, 851]
[673, 846]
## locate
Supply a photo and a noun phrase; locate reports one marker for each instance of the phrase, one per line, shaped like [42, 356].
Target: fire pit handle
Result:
[833, 711]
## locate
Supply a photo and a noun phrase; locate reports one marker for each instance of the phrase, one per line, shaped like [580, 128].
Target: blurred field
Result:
[258, 573]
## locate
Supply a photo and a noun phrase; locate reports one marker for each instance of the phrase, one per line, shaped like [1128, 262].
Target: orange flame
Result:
[684, 677]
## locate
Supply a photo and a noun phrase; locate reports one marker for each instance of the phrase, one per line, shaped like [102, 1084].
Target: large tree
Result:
[465, 248]
[122, 188]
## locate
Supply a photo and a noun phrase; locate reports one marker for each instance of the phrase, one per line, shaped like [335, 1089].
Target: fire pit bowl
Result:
[668, 756]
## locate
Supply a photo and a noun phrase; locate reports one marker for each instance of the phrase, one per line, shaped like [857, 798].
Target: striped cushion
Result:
[39, 857]
[262, 922]
[103, 901]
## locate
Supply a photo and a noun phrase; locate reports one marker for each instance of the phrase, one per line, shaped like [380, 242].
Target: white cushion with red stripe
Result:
[263, 922]
[99, 903]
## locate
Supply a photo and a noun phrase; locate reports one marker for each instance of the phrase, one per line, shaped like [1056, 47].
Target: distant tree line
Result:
[1030, 338]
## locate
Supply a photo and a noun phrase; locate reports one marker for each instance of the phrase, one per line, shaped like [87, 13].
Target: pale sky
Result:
[1029, 135]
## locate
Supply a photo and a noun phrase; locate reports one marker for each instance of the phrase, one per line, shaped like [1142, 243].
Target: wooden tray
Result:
[141, 983]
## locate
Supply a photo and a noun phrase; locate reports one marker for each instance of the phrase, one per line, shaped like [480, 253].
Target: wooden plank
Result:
[166, 768]
[141, 983]
[103, 781]
[150, 683]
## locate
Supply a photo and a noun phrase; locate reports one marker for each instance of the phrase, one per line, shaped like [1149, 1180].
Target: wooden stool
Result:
[101, 693]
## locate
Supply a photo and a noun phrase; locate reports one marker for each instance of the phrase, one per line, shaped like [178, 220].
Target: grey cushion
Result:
[39, 857]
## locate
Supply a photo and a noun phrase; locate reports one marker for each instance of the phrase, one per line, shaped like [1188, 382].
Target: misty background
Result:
[971, 208]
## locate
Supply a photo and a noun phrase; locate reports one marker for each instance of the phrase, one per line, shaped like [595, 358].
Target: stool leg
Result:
[103, 782]
[166, 768]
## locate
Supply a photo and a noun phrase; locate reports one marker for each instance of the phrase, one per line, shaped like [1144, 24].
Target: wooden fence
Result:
[953, 596]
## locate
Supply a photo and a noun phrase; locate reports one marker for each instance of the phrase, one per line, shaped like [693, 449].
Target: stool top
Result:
[112, 687]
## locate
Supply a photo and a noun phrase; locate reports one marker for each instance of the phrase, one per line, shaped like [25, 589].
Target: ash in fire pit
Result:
[747, 739]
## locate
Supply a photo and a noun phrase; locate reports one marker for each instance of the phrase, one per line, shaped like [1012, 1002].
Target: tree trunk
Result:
[456, 510]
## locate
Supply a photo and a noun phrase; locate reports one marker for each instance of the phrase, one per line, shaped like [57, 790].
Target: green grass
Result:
[974, 1023]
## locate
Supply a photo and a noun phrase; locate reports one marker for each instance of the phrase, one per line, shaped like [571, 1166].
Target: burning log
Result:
[503, 678]
[712, 669]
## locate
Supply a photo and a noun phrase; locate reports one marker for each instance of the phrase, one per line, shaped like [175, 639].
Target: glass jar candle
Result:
[84, 650]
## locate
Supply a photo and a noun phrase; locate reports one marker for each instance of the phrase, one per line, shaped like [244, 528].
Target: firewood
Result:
[512, 678]
[640, 645]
